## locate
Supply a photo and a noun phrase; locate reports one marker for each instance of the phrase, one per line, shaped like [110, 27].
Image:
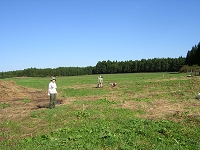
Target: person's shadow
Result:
[46, 104]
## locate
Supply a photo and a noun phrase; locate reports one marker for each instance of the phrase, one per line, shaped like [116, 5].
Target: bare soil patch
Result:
[19, 101]
[162, 109]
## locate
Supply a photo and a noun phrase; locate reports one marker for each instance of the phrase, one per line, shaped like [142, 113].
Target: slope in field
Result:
[9, 90]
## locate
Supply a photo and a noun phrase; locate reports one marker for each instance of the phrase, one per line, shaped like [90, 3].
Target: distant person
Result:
[52, 92]
[112, 84]
[100, 81]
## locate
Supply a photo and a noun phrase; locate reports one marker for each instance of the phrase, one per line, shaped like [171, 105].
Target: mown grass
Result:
[95, 119]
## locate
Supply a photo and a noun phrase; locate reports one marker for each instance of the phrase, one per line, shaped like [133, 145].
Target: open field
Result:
[144, 111]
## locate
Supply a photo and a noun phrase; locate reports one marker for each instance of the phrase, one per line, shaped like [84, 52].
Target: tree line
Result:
[180, 64]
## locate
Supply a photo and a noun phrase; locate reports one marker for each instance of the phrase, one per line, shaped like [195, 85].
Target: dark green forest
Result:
[181, 64]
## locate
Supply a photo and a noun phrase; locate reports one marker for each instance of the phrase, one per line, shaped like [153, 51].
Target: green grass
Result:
[4, 105]
[26, 100]
[96, 120]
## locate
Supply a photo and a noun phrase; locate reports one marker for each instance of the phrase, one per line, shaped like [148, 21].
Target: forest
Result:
[181, 64]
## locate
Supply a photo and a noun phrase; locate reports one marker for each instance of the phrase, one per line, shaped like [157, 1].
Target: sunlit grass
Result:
[111, 118]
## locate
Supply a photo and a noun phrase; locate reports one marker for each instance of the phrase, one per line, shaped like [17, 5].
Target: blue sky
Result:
[79, 33]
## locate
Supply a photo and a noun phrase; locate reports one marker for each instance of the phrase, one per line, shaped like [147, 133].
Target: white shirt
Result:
[100, 80]
[52, 88]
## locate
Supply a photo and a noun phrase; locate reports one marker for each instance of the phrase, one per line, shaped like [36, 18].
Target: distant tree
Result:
[198, 54]
[184, 69]
[193, 56]
[101, 67]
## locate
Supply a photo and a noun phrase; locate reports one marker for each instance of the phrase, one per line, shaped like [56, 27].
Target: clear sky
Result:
[79, 33]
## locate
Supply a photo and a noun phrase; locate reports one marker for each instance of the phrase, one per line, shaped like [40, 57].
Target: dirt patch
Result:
[17, 101]
[161, 109]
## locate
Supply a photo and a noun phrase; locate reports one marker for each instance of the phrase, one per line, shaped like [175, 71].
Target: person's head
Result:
[53, 79]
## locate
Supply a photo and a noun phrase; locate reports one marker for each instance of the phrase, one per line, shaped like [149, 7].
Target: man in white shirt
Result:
[52, 92]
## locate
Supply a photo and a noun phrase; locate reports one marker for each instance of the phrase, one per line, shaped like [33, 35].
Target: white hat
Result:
[53, 78]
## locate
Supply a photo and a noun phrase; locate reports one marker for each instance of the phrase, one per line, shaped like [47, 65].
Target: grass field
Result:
[145, 111]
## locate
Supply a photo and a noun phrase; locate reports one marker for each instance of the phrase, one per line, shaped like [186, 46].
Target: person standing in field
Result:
[100, 81]
[52, 92]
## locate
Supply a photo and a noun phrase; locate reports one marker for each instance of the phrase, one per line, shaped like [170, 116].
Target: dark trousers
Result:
[52, 101]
